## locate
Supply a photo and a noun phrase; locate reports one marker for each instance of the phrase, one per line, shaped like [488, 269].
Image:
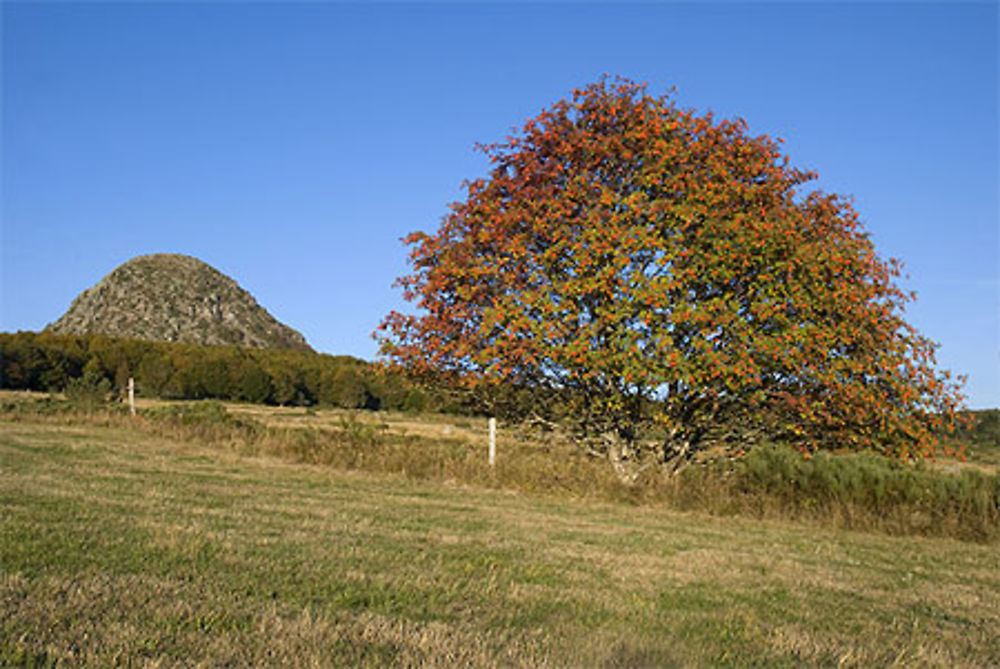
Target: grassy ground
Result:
[464, 429]
[939, 498]
[120, 546]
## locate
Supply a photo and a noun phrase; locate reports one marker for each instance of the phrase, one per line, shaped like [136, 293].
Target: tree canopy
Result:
[633, 270]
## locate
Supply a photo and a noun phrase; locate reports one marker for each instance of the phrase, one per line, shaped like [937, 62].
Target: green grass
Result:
[119, 546]
[943, 498]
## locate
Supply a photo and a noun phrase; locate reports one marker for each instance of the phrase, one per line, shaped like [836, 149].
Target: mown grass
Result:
[123, 546]
[849, 491]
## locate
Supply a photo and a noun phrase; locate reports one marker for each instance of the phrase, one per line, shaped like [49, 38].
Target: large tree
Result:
[630, 268]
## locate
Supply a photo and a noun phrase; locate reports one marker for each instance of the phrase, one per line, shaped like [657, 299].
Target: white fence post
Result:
[131, 395]
[493, 441]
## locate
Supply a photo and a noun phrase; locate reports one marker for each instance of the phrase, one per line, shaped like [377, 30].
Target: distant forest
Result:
[46, 362]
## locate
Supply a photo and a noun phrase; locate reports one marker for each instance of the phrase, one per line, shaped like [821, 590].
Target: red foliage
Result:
[647, 265]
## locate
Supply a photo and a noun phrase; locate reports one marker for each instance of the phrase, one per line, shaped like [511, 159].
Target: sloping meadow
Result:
[121, 544]
[850, 491]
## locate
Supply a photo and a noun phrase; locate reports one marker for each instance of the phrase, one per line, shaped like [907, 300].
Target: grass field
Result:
[123, 547]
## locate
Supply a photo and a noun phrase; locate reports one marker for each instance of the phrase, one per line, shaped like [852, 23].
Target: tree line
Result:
[48, 362]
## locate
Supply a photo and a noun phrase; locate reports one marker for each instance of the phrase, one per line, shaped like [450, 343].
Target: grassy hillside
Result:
[944, 498]
[124, 546]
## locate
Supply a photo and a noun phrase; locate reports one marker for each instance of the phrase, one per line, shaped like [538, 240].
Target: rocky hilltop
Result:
[168, 297]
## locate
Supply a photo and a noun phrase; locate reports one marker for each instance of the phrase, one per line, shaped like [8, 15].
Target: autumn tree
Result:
[631, 268]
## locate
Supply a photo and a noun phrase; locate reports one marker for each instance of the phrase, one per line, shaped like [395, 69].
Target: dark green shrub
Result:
[863, 490]
[89, 392]
[357, 434]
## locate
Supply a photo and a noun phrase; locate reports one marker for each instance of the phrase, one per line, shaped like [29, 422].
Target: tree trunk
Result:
[621, 455]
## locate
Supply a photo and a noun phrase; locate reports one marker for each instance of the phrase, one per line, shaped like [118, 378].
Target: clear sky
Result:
[292, 145]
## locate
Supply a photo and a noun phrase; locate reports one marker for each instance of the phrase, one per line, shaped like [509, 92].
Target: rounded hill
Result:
[170, 297]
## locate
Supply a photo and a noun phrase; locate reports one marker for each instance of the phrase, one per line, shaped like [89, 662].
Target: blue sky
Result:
[292, 145]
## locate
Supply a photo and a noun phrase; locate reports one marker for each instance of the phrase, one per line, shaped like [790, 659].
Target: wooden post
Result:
[131, 395]
[493, 442]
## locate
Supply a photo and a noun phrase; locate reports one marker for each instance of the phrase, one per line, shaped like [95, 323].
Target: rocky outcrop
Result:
[168, 297]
